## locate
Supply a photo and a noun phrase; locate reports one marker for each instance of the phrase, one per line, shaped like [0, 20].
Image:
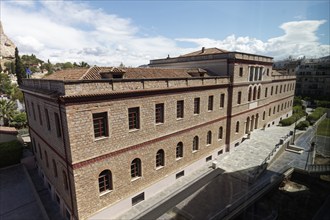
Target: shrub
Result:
[317, 113]
[302, 125]
[10, 153]
[292, 119]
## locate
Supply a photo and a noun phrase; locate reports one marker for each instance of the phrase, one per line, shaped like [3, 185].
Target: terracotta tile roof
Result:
[68, 74]
[205, 51]
[93, 73]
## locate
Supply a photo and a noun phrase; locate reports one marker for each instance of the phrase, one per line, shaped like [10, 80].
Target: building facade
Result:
[106, 139]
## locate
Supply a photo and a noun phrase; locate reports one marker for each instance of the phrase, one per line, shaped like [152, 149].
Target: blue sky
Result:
[133, 32]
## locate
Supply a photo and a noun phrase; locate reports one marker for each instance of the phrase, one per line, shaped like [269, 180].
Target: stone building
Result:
[106, 139]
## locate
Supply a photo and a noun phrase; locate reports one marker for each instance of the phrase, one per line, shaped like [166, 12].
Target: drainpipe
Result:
[66, 160]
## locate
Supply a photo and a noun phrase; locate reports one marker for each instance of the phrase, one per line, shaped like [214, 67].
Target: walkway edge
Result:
[36, 195]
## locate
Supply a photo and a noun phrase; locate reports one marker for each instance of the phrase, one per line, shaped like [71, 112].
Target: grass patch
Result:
[324, 128]
[10, 153]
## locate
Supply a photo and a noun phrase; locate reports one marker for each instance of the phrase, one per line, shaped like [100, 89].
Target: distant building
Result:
[313, 76]
[107, 138]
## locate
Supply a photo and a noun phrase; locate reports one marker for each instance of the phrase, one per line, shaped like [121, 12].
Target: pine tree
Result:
[19, 68]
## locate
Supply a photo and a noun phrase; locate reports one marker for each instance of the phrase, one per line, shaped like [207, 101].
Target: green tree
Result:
[5, 84]
[19, 120]
[19, 68]
[16, 93]
[7, 111]
[67, 65]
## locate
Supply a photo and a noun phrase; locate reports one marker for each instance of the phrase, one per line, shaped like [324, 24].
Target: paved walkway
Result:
[221, 186]
[18, 199]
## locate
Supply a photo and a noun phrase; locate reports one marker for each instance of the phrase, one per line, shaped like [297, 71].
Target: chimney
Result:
[203, 49]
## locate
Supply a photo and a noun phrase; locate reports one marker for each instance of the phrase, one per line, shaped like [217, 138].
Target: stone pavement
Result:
[222, 188]
[18, 199]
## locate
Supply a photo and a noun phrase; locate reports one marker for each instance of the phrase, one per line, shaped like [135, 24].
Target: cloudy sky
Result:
[107, 33]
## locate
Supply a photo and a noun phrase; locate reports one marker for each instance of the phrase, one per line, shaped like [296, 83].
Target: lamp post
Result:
[294, 129]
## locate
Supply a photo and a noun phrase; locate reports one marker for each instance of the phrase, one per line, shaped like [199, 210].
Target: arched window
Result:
[105, 181]
[65, 180]
[237, 127]
[250, 94]
[179, 150]
[195, 143]
[160, 158]
[209, 138]
[264, 115]
[220, 133]
[136, 168]
[254, 93]
[259, 91]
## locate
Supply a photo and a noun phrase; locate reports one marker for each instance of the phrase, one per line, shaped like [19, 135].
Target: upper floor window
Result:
[134, 118]
[46, 158]
[179, 150]
[57, 125]
[209, 138]
[271, 90]
[55, 168]
[65, 180]
[33, 111]
[195, 144]
[280, 88]
[237, 127]
[239, 97]
[250, 94]
[105, 181]
[251, 73]
[220, 133]
[241, 71]
[28, 107]
[39, 113]
[264, 115]
[136, 168]
[266, 91]
[276, 90]
[222, 100]
[100, 123]
[160, 158]
[196, 105]
[210, 103]
[259, 91]
[159, 113]
[47, 119]
[254, 93]
[180, 109]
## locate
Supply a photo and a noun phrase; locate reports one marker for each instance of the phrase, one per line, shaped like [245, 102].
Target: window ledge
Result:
[133, 129]
[160, 167]
[194, 151]
[101, 138]
[179, 119]
[135, 178]
[159, 123]
[178, 158]
[105, 193]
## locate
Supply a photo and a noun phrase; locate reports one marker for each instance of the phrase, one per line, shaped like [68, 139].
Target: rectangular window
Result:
[134, 118]
[220, 152]
[196, 105]
[47, 119]
[241, 71]
[180, 109]
[222, 100]
[179, 174]
[39, 112]
[100, 123]
[57, 125]
[208, 158]
[210, 103]
[159, 113]
[33, 111]
[138, 198]
[239, 97]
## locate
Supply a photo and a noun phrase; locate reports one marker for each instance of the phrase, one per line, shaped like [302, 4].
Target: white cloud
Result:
[299, 39]
[74, 31]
